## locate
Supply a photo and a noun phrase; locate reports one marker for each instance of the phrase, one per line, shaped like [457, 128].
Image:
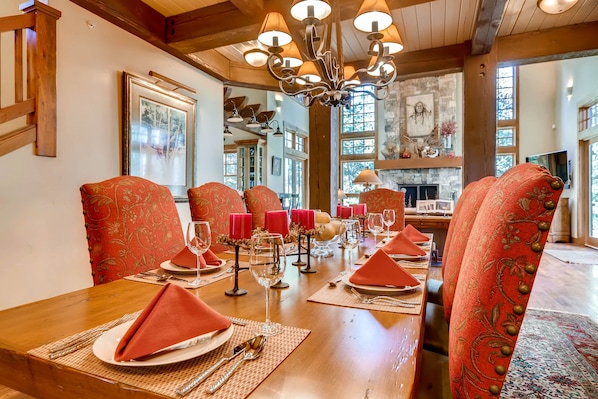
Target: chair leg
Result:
[434, 380]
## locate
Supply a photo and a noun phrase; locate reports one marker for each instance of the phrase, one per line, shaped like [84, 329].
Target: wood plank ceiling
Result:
[213, 34]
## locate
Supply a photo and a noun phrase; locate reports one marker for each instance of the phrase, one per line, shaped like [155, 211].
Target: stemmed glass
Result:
[199, 240]
[267, 262]
[375, 224]
[389, 219]
[349, 239]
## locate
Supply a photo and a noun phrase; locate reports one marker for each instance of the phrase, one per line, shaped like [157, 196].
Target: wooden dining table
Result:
[349, 352]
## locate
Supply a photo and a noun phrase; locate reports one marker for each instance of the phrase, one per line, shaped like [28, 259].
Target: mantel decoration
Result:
[447, 131]
[321, 74]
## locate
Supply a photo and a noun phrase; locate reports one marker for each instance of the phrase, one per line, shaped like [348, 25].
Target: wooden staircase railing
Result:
[36, 98]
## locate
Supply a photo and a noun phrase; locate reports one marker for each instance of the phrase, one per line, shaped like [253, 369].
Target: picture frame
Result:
[444, 206]
[425, 206]
[158, 135]
[276, 166]
[420, 115]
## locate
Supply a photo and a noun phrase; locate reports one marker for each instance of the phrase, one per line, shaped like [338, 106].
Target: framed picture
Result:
[420, 115]
[276, 166]
[425, 206]
[158, 135]
[444, 206]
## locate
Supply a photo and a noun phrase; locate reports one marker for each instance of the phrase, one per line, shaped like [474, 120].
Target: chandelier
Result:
[323, 77]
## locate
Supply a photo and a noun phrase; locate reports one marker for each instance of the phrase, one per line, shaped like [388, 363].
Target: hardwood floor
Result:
[565, 287]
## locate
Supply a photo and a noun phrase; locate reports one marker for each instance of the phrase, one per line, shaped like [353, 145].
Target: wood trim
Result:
[16, 139]
[419, 163]
[488, 20]
[17, 110]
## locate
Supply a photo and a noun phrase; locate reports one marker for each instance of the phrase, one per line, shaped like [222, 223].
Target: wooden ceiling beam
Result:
[488, 21]
[249, 7]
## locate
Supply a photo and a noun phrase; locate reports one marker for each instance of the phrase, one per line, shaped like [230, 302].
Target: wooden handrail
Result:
[37, 98]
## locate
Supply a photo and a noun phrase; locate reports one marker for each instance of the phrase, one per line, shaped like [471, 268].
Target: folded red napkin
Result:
[186, 258]
[414, 234]
[172, 316]
[381, 270]
[401, 244]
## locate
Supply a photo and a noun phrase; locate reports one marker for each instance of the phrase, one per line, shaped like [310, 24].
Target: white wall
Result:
[43, 250]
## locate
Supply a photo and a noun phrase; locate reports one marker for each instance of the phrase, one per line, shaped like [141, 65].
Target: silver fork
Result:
[383, 300]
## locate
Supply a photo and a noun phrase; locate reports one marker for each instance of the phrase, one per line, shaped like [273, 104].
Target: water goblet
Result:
[349, 240]
[375, 224]
[199, 240]
[267, 262]
[389, 219]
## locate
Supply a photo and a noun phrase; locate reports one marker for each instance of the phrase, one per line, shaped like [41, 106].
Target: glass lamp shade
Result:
[373, 16]
[291, 57]
[274, 31]
[256, 57]
[555, 6]
[392, 40]
[308, 73]
[385, 68]
[302, 9]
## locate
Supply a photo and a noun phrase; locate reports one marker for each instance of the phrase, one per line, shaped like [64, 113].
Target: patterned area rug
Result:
[584, 256]
[556, 357]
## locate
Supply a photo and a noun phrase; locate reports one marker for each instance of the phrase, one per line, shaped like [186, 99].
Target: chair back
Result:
[464, 215]
[213, 202]
[379, 199]
[132, 226]
[497, 274]
[259, 200]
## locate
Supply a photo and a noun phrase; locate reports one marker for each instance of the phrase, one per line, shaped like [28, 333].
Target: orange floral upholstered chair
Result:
[441, 292]
[259, 200]
[213, 202]
[496, 278]
[132, 226]
[379, 199]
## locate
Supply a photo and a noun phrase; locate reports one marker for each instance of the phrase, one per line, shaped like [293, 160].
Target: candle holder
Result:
[299, 262]
[236, 291]
[307, 268]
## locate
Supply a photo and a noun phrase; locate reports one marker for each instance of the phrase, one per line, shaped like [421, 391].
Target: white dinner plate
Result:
[378, 290]
[105, 346]
[171, 267]
[407, 257]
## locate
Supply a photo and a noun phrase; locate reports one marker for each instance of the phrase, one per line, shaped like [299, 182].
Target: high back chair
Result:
[259, 200]
[441, 292]
[379, 199]
[132, 226]
[497, 274]
[213, 202]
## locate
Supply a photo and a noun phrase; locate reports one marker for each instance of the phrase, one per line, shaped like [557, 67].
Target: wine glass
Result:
[267, 262]
[349, 239]
[389, 218]
[199, 240]
[375, 224]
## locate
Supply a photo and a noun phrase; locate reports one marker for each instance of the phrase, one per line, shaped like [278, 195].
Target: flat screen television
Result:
[556, 162]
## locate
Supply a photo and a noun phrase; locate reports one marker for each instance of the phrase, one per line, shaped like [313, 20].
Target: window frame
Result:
[509, 123]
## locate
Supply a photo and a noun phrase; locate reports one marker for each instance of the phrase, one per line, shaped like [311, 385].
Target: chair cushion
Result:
[260, 199]
[457, 237]
[213, 202]
[496, 278]
[379, 199]
[132, 226]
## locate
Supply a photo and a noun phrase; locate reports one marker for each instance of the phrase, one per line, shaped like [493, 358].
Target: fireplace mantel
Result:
[419, 163]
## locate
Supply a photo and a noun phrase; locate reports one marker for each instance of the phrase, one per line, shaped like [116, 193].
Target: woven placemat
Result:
[182, 279]
[166, 379]
[341, 296]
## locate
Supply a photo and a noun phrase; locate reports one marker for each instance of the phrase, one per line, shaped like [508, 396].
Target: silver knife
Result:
[195, 381]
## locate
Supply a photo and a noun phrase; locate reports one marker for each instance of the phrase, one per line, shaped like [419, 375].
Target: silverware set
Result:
[383, 300]
[160, 277]
[249, 350]
[87, 338]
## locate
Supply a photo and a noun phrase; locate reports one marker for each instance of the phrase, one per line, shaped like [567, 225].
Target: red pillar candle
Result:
[239, 225]
[277, 222]
[359, 209]
[296, 216]
[344, 211]
[308, 220]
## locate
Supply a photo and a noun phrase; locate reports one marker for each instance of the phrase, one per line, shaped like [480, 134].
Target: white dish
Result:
[378, 290]
[105, 346]
[407, 257]
[171, 267]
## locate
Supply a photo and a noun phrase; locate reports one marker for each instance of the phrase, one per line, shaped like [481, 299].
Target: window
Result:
[295, 163]
[588, 116]
[357, 148]
[507, 142]
[230, 169]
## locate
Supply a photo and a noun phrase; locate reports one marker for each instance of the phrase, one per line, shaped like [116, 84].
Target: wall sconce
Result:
[235, 117]
[569, 92]
[227, 133]
[253, 122]
[267, 128]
